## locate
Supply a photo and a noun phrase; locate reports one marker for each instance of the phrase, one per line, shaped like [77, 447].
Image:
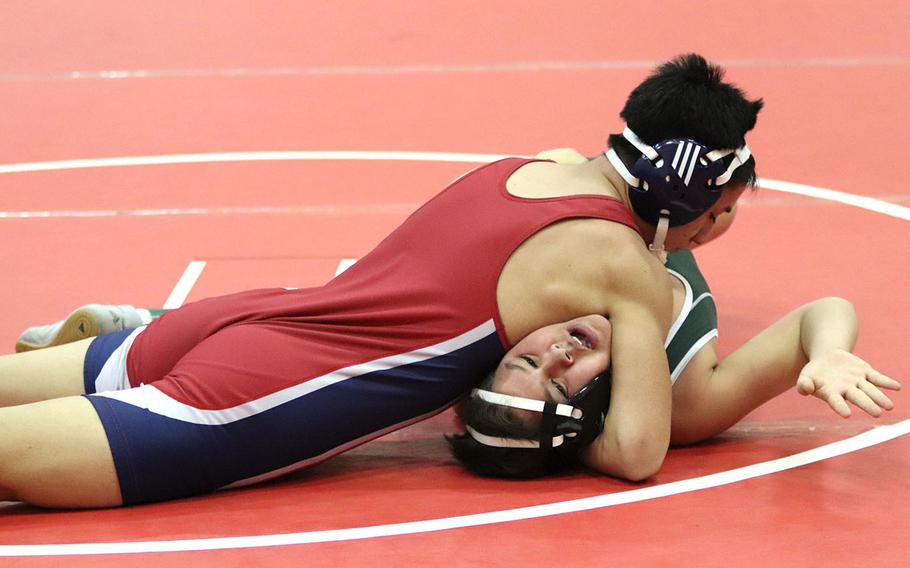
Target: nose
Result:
[559, 356]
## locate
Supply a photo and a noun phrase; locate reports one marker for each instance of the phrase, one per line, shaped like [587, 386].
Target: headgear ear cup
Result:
[678, 175]
[680, 180]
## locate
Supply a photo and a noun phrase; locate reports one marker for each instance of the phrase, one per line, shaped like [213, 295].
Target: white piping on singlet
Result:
[681, 366]
[152, 399]
[688, 306]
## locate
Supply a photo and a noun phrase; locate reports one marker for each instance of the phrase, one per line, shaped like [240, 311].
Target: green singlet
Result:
[697, 322]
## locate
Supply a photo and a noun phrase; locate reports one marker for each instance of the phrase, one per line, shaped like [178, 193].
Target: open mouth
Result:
[583, 337]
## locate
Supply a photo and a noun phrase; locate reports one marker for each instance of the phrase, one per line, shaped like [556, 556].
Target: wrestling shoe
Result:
[87, 321]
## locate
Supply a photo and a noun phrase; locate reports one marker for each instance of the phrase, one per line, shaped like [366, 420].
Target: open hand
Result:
[839, 376]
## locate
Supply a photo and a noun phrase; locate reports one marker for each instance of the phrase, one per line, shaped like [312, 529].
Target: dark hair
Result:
[501, 421]
[687, 98]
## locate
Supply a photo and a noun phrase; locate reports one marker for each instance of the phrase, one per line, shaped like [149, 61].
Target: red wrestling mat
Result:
[284, 79]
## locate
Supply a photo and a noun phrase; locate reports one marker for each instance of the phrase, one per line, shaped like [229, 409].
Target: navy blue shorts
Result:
[165, 448]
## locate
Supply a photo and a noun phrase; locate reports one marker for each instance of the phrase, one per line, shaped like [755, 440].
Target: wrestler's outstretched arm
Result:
[809, 348]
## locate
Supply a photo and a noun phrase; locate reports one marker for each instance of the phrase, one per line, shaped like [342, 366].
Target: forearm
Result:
[636, 431]
[711, 397]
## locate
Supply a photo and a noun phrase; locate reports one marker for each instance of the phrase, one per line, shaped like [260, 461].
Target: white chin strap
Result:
[741, 156]
[660, 235]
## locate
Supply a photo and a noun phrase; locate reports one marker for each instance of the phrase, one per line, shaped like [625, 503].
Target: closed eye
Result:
[561, 388]
[529, 360]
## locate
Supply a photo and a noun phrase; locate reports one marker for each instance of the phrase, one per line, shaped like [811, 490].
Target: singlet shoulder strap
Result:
[582, 205]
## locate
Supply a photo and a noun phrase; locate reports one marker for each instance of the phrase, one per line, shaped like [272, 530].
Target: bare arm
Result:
[809, 347]
[591, 266]
[636, 431]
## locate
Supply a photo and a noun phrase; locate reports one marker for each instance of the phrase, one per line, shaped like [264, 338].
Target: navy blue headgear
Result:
[680, 176]
[565, 427]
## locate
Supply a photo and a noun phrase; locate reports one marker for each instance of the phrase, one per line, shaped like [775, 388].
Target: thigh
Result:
[43, 374]
[55, 453]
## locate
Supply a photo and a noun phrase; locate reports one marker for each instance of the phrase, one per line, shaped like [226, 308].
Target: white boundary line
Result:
[184, 285]
[872, 437]
[862, 202]
[866, 439]
[406, 69]
[269, 156]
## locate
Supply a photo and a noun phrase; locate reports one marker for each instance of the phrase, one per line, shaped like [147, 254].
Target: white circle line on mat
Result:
[866, 439]
[862, 202]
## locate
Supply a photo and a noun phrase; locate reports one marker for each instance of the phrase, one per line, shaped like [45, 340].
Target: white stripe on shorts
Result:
[149, 397]
[112, 376]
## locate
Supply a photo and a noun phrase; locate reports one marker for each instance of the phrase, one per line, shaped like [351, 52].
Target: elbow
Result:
[630, 453]
[641, 458]
[836, 303]
[641, 470]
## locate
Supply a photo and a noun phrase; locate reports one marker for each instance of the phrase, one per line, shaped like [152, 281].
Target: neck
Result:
[621, 189]
[612, 179]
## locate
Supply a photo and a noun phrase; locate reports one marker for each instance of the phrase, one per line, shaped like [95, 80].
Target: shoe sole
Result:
[80, 324]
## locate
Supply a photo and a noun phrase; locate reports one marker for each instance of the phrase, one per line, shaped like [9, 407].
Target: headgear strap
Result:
[565, 426]
[741, 156]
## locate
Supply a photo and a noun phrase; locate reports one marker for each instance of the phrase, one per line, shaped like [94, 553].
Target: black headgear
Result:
[680, 176]
[565, 427]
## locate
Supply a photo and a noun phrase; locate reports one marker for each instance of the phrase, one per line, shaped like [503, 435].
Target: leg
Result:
[43, 375]
[55, 454]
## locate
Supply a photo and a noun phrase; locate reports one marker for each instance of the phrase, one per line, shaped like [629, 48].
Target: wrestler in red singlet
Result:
[243, 387]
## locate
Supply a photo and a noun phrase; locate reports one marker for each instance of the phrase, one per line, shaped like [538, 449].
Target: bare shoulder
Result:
[578, 267]
[630, 272]
[537, 180]
[563, 156]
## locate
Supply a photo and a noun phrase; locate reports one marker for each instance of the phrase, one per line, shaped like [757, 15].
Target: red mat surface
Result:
[117, 79]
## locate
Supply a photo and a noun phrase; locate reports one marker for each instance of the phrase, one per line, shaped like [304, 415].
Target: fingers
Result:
[838, 404]
[863, 401]
[877, 396]
[882, 380]
[805, 385]
[840, 384]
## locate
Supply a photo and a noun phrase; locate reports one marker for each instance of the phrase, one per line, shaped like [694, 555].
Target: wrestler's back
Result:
[435, 277]
[557, 273]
